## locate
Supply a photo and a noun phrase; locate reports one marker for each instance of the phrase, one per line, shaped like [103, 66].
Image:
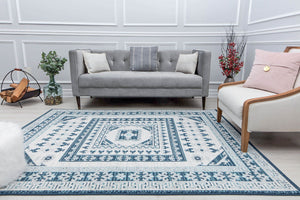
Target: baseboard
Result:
[67, 93]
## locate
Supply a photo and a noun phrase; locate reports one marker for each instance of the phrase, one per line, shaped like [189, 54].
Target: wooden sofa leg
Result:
[78, 102]
[245, 140]
[203, 102]
[219, 115]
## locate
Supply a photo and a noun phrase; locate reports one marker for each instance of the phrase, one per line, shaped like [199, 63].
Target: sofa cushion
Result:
[143, 58]
[130, 79]
[168, 59]
[119, 60]
[95, 62]
[274, 71]
[187, 63]
[234, 97]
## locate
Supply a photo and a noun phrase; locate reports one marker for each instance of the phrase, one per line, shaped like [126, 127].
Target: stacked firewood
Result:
[17, 92]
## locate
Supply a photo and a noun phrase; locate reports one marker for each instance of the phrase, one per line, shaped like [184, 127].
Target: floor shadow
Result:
[180, 103]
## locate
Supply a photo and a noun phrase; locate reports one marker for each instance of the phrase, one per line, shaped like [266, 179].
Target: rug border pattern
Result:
[159, 192]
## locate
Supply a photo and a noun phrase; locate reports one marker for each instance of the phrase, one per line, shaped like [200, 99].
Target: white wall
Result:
[28, 27]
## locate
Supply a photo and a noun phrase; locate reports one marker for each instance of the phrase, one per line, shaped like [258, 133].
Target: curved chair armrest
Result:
[273, 101]
[272, 97]
[229, 84]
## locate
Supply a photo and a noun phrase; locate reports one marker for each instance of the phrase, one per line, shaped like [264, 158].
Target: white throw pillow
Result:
[96, 62]
[187, 63]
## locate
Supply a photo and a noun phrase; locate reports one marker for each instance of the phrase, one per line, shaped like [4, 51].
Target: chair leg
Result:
[203, 102]
[245, 140]
[78, 102]
[219, 115]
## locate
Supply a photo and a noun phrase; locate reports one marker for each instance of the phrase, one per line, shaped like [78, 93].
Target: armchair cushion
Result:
[233, 97]
[273, 71]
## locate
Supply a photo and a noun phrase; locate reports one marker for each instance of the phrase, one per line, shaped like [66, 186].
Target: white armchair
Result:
[255, 110]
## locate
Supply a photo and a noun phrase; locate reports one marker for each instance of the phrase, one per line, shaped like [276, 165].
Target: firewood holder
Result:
[28, 94]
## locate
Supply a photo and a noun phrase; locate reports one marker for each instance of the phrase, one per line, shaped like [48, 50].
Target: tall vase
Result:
[229, 79]
[52, 92]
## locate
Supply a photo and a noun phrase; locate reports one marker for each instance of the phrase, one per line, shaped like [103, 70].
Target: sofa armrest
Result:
[203, 69]
[275, 113]
[77, 68]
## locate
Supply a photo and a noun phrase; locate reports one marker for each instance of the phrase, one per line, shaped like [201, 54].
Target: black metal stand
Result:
[28, 94]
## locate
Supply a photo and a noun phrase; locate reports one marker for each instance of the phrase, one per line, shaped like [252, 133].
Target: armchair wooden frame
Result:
[245, 135]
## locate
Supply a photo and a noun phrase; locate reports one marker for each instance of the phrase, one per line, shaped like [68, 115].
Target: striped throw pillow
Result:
[143, 58]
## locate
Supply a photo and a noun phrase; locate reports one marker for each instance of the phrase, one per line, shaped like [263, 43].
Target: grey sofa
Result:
[121, 82]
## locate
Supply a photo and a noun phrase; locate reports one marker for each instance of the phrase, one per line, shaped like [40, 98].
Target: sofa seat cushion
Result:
[130, 79]
[234, 97]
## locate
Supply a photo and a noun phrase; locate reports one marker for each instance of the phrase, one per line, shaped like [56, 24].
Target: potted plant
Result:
[52, 65]
[232, 52]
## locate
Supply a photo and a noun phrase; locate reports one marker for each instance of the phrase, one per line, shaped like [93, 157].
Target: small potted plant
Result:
[52, 65]
[232, 52]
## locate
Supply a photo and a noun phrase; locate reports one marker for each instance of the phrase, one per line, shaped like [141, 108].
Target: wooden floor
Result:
[283, 149]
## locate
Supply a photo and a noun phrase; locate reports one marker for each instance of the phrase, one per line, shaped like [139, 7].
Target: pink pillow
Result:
[274, 72]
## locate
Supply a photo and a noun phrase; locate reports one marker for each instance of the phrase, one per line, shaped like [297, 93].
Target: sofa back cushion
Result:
[119, 60]
[168, 59]
[143, 58]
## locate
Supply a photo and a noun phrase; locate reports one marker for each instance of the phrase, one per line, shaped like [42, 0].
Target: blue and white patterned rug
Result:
[142, 152]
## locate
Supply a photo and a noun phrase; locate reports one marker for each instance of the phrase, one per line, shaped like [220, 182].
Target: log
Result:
[20, 90]
[6, 93]
[29, 89]
[8, 99]
[3, 94]
[15, 85]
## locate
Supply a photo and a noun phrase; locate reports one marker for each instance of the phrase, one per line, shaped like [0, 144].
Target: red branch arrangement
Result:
[232, 52]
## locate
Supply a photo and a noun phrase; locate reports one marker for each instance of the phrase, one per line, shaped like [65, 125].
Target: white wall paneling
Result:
[267, 10]
[161, 45]
[5, 12]
[8, 54]
[150, 13]
[28, 27]
[32, 55]
[268, 31]
[208, 12]
[67, 12]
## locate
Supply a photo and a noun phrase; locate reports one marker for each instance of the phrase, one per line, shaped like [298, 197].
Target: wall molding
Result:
[295, 42]
[128, 44]
[236, 23]
[15, 50]
[185, 44]
[218, 34]
[10, 18]
[151, 24]
[266, 19]
[281, 29]
[24, 42]
[114, 33]
[36, 22]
